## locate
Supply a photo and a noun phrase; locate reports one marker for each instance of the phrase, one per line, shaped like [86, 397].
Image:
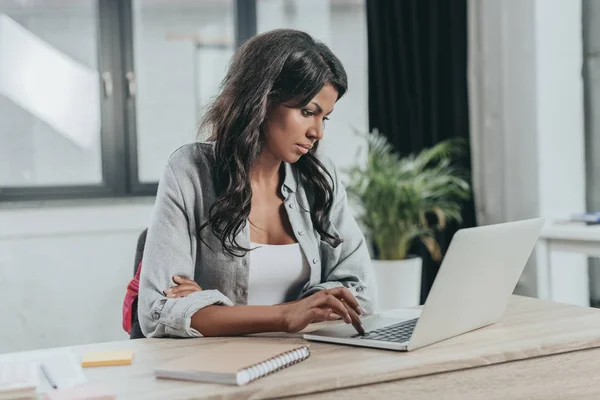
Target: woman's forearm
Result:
[237, 320]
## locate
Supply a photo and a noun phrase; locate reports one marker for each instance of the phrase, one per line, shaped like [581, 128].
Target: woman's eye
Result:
[326, 119]
[307, 113]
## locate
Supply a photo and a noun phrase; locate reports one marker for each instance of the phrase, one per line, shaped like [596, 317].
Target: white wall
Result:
[527, 122]
[64, 270]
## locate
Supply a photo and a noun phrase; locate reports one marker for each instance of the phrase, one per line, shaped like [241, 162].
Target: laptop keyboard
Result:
[397, 333]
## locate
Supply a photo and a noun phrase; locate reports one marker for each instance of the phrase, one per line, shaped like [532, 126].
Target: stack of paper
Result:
[61, 364]
[18, 380]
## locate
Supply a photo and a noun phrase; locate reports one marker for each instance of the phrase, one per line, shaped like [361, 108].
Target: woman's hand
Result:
[184, 287]
[325, 305]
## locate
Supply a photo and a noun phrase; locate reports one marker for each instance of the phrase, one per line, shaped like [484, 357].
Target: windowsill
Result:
[76, 203]
[30, 219]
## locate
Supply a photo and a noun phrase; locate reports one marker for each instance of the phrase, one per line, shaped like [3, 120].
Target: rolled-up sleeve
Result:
[353, 268]
[168, 252]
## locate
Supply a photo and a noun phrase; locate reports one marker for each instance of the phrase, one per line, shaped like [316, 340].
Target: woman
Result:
[251, 231]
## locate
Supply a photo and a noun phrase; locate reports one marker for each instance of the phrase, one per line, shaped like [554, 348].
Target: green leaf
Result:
[410, 197]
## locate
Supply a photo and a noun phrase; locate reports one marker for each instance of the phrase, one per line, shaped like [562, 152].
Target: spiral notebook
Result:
[233, 363]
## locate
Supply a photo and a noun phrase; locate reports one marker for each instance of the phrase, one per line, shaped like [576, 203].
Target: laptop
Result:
[472, 289]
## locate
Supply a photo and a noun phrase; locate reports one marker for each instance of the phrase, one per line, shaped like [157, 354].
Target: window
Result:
[50, 109]
[181, 51]
[96, 94]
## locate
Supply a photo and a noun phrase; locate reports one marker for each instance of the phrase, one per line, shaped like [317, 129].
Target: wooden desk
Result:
[567, 376]
[530, 328]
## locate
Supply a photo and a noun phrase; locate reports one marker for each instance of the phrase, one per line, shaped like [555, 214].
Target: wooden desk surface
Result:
[530, 328]
[572, 375]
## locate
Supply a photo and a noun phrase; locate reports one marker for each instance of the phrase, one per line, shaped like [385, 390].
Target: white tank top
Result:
[277, 273]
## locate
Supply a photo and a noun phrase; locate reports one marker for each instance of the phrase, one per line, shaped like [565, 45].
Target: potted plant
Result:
[404, 199]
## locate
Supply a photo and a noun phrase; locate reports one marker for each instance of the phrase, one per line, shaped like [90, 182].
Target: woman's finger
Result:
[344, 294]
[178, 279]
[181, 280]
[349, 315]
[332, 316]
[356, 322]
[185, 293]
[185, 287]
[326, 299]
[173, 291]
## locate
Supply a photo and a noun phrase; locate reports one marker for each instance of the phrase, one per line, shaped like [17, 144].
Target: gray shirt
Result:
[185, 194]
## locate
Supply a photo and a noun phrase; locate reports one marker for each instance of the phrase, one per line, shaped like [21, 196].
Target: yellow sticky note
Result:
[107, 358]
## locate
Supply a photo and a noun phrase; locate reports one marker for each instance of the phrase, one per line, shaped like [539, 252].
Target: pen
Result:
[48, 376]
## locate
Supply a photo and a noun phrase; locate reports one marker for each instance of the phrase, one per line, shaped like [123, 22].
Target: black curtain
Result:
[418, 85]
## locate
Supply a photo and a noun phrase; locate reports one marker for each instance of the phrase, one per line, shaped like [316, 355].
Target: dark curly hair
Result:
[270, 69]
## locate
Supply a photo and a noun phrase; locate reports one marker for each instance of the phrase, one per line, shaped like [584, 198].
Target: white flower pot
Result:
[398, 282]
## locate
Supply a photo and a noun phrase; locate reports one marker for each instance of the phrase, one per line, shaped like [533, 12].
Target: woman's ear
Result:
[264, 126]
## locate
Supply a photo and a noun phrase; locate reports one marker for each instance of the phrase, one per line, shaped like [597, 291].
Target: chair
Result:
[136, 330]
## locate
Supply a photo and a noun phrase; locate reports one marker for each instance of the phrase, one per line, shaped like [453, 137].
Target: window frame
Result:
[119, 155]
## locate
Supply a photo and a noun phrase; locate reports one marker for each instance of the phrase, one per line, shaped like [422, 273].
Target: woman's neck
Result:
[265, 173]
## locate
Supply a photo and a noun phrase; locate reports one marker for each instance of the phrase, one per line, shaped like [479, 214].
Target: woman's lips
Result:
[302, 149]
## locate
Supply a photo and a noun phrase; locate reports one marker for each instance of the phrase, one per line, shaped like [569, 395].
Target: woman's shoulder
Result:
[193, 161]
[192, 154]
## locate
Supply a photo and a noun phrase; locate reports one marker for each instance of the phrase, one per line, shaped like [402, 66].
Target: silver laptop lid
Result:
[476, 279]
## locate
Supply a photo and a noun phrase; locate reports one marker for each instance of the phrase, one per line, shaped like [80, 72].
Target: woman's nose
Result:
[316, 133]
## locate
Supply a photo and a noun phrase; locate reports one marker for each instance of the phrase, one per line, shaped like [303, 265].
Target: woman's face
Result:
[291, 132]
